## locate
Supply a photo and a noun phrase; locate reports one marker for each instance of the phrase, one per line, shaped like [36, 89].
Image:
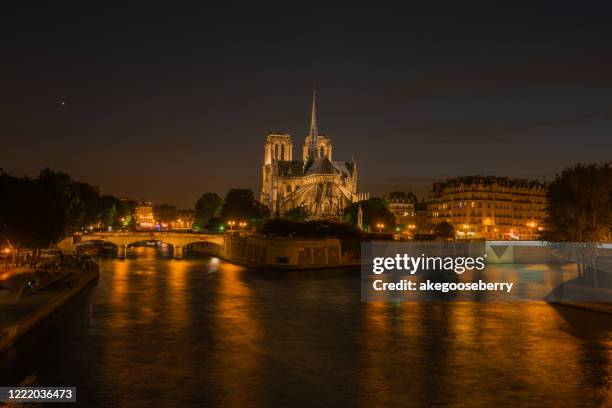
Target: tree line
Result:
[239, 205]
[38, 212]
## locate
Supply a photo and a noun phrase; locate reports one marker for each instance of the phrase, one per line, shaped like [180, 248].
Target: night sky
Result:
[167, 103]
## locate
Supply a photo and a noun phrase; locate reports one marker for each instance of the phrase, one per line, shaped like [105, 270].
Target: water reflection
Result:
[235, 325]
[207, 333]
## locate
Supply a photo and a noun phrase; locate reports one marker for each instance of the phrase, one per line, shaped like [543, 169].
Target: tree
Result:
[309, 229]
[375, 211]
[17, 207]
[89, 205]
[240, 204]
[126, 209]
[110, 211]
[579, 210]
[215, 224]
[444, 230]
[36, 213]
[57, 207]
[207, 207]
[579, 205]
[297, 214]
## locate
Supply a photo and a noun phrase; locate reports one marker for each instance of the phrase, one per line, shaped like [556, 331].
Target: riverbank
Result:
[20, 316]
[599, 307]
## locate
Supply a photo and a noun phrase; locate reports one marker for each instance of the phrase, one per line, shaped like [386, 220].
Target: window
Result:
[283, 152]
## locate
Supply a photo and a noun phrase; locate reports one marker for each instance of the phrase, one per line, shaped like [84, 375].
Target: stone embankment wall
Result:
[285, 253]
[74, 285]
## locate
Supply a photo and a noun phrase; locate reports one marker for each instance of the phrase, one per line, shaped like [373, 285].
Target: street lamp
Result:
[7, 251]
[230, 224]
[380, 226]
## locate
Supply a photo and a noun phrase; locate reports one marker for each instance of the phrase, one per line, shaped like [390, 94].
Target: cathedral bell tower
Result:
[278, 148]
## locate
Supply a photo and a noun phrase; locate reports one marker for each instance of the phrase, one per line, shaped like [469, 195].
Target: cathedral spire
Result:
[313, 117]
[314, 134]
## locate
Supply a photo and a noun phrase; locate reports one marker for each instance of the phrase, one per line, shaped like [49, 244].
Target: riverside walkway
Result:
[20, 315]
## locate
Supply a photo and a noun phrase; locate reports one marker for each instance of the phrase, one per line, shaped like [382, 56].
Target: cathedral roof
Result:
[290, 168]
[344, 168]
[322, 165]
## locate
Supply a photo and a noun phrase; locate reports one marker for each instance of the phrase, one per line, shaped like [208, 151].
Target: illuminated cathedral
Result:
[323, 187]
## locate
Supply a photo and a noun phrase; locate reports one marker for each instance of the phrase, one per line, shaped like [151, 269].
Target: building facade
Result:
[323, 187]
[183, 221]
[493, 208]
[402, 205]
[143, 213]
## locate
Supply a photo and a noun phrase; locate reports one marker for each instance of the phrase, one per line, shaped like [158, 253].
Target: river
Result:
[203, 332]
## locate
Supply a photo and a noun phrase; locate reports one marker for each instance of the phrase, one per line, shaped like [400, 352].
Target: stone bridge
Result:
[122, 240]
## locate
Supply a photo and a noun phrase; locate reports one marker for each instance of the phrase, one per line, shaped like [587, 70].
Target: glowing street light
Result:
[380, 226]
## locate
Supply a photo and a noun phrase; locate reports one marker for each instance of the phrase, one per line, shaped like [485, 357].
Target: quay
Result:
[20, 315]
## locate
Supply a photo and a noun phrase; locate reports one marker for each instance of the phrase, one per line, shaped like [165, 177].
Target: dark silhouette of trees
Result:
[579, 210]
[297, 214]
[310, 229]
[38, 212]
[18, 206]
[375, 211]
[116, 213]
[579, 205]
[240, 204]
[214, 224]
[207, 207]
[58, 207]
[88, 204]
[35, 213]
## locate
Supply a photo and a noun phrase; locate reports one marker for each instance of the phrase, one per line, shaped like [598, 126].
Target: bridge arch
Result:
[122, 240]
